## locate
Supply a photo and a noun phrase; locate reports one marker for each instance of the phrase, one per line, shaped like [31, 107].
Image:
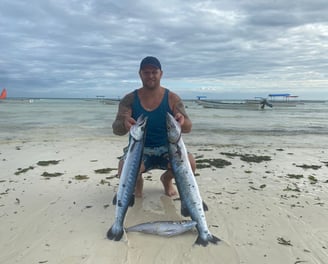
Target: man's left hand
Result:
[180, 118]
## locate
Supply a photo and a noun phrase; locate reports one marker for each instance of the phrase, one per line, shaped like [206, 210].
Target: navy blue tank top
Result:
[156, 134]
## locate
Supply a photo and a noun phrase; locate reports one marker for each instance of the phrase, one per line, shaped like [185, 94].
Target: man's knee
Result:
[120, 166]
[192, 162]
[142, 169]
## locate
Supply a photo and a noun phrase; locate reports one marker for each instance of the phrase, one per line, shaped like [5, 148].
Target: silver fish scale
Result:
[128, 178]
[187, 185]
[186, 182]
[128, 182]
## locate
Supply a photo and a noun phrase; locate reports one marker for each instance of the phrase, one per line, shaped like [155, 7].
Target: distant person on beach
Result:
[154, 101]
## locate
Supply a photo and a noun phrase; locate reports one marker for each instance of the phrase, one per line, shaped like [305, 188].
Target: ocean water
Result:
[305, 125]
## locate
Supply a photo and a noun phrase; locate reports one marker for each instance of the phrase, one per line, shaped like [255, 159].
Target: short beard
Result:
[153, 87]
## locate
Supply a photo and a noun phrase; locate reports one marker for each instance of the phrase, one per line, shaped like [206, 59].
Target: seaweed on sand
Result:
[47, 162]
[106, 180]
[20, 170]
[229, 154]
[104, 170]
[254, 158]
[284, 242]
[51, 175]
[261, 187]
[103, 182]
[295, 189]
[295, 176]
[81, 177]
[205, 149]
[207, 163]
[305, 166]
[313, 180]
[248, 157]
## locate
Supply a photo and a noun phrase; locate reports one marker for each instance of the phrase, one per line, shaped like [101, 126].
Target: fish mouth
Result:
[169, 121]
[171, 127]
[142, 121]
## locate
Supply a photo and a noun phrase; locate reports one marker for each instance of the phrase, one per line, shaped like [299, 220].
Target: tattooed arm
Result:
[180, 113]
[123, 120]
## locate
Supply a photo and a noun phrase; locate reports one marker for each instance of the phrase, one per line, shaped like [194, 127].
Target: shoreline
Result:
[266, 211]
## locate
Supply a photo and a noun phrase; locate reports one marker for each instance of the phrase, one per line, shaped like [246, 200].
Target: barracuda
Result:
[163, 228]
[125, 194]
[191, 201]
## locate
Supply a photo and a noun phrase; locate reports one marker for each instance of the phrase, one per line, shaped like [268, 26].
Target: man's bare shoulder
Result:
[174, 98]
[176, 104]
[127, 100]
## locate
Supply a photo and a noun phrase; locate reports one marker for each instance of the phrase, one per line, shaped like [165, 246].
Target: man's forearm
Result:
[119, 127]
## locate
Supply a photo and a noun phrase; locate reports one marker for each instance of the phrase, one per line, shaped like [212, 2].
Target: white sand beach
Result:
[271, 211]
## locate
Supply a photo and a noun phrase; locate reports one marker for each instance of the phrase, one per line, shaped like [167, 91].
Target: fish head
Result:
[137, 131]
[173, 129]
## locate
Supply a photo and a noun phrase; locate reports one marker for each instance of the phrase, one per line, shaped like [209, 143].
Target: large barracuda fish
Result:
[191, 201]
[163, 228]
[128, 178]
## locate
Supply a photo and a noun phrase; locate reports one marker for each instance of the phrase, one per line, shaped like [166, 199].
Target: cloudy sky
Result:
[222, 48]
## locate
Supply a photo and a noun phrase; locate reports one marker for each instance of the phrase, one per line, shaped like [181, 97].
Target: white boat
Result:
[284, 100]
[258, 103]
[245, 104]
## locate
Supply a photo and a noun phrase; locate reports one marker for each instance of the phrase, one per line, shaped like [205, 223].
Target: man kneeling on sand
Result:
[153, 101]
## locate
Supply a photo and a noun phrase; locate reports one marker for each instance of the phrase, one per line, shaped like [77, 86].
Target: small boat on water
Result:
[111, 101]
[245, 104]
[252, 104]
[3, 94]
[284, 100]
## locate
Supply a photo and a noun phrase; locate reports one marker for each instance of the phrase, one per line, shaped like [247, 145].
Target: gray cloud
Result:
[70, 48]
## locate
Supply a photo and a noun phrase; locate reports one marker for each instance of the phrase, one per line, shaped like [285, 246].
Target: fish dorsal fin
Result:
[132, 201]
[205, 207]
[114, 199]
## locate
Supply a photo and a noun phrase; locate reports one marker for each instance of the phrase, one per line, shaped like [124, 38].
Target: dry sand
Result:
[269, 211]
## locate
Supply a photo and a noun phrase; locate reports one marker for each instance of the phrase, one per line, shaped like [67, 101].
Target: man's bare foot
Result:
[169, 188]
[139, 187]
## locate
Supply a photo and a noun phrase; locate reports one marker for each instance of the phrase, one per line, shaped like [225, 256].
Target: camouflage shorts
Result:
[153, 157]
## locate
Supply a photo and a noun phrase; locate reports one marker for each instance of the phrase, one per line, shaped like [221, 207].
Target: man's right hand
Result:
[129, 122]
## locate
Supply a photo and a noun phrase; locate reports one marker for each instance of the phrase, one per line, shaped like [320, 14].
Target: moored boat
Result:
[246, 104]
[274, 100]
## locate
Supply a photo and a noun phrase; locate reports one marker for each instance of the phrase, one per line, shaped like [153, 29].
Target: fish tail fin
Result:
[213, 239]
[205, 207]
[115, 235]
[201, 241]
[132, 200]
[204, 242]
